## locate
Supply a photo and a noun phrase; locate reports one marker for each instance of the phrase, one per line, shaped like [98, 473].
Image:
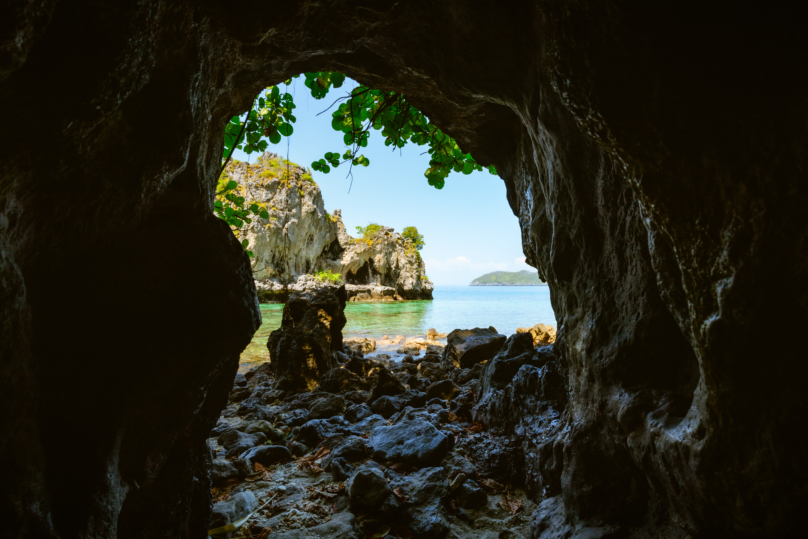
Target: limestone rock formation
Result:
[302, 349]
[653, 152]
[300, 237]
[541, 333]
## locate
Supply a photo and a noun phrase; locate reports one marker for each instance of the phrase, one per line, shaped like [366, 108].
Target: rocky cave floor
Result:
[380, 448]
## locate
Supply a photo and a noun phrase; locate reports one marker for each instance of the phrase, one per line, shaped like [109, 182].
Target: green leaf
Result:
[264, 214]
[286, 129]
[231, 185]
[275, 137]
[244, 243]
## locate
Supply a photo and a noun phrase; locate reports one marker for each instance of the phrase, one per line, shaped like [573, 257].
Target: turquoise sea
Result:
[504, 307]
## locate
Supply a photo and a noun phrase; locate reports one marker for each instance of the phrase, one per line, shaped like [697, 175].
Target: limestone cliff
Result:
[300, 238]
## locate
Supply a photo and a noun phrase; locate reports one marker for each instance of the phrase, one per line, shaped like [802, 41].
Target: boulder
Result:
[445, 389]
[357, 412]
[327, 407]
[267, 454]
[360, 344]
[386, 384]
[414, 441]
[386, 406]
[236, 442]
[467, 347]
[338, 380]
[317, 429]
[352, 449]
[302, 349]
[368, 488]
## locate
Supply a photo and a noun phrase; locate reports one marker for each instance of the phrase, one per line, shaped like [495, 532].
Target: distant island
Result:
[508, 278]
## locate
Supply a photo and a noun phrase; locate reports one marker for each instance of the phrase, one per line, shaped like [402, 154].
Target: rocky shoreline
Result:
[326, 441]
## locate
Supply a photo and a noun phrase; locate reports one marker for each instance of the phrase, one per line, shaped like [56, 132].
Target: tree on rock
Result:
[411, 233]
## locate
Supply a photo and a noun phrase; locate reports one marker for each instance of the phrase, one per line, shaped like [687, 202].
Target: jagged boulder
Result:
[467, 347]
[301, 351]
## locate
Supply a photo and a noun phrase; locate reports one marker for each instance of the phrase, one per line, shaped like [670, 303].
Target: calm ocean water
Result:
[504, 307]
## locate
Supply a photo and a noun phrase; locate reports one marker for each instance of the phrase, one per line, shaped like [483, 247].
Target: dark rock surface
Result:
[301, 351]
[413, 441]
[467, 347]
[653, 153]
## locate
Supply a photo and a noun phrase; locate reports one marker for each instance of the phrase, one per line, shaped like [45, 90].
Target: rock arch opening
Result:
[652, 179]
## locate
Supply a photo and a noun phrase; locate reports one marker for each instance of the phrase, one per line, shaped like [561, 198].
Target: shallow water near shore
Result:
[504, 307]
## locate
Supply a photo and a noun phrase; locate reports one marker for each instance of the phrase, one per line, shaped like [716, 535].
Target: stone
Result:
[386, 385]
[267, 454]
[541, 334]
[386, 406]
[357, 412]
[311, 330]
[368, 488]
[362, 344]
[414, 441]
[445, 389]
[223, 470]
[352, 449]
[236, 442]
[338, 380]
[433, 334]
[232, 509]
[470, 495]
[327, 407]
[296, 417]
[414, 398]
[316, 430]
[239, 394]
[467, 347]
[340, 469]
[297, 449]
[240, 380]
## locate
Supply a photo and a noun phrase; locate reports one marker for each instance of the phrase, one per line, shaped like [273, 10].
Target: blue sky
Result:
[468, 227]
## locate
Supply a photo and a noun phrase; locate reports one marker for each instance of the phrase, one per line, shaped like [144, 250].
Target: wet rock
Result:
[445, 389]
[431, 371]
[232, 509]
[327, 407]
[414, 441]
[357, 412]
[236, 442]
[368, 488]
[467, 347]
[361, 344]
[267, 454]
[361, 366]
[386, 406]
[311, 330]
[386, 385]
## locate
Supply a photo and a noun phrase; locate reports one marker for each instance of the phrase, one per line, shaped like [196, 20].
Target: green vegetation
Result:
[508, 278]
[327, 276]
[363, 109]
[234, 209]
[411, 233]
[369, 232]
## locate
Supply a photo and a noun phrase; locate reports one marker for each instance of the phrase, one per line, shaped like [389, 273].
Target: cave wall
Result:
[654, 155]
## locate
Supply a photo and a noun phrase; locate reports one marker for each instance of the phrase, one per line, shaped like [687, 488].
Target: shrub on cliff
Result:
[411, 233]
